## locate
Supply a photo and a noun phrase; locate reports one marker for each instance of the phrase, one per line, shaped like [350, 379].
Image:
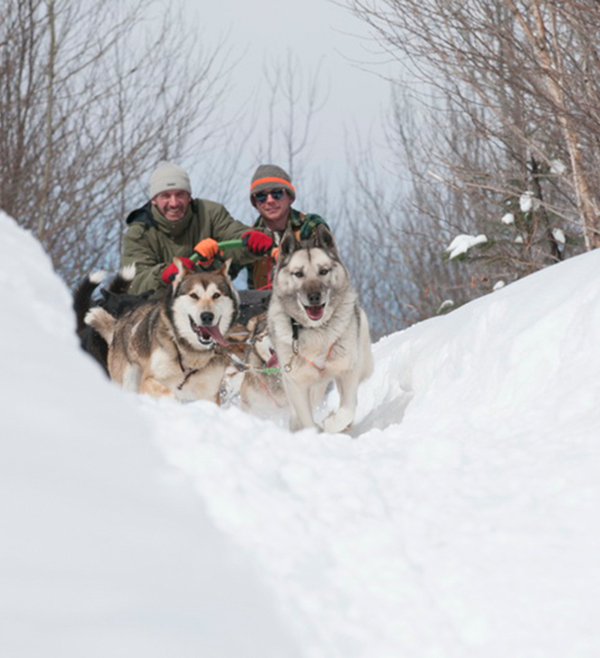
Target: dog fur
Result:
[261, 390]
[318, 329]
[169, 347]
[115, 299]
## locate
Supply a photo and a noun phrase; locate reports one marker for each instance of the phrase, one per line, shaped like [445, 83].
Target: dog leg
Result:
[341, 419]
[298, 396]
[151, 386]
[132, 378]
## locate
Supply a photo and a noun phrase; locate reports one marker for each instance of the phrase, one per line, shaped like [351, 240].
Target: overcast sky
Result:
[318, 32]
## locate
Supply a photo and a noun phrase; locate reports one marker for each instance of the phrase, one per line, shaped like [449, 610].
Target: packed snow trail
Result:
[459, 519]
[471, 476]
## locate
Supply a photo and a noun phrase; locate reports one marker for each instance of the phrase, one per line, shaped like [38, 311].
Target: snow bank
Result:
[104, 550]
[459, 519]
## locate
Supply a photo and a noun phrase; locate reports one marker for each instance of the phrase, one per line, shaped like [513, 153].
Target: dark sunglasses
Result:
[261, 197]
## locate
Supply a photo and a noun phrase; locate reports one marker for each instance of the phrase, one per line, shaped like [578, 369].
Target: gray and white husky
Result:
[318, 329]
[169, 347]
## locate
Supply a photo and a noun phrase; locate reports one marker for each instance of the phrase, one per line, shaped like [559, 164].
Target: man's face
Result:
[274, 210]
[173, 204]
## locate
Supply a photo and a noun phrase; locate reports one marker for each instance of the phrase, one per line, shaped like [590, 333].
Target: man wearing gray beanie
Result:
[272, 194]
[173, 224]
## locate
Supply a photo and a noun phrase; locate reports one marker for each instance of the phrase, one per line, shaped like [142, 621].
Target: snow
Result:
[559, 235]
[528, 202]
[462, 243]
[459, 519]
[557, 167]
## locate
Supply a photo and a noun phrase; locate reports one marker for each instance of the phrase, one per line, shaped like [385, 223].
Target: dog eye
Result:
[216, 295]
[324, 270]
[193, 295]
[299, 274]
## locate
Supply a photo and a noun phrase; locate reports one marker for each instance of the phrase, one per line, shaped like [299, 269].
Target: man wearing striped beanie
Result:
[272, 194]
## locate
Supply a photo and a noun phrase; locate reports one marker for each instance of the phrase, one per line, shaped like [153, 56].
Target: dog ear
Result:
[224, 269]
[288, 245]
[323, 238]
[182, 272]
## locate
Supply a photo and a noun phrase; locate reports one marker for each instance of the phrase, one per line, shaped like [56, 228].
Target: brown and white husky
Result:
[170, 347]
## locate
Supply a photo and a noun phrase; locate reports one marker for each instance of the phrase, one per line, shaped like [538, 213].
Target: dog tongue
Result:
[315, 312]
[273, 361]
[215, 333]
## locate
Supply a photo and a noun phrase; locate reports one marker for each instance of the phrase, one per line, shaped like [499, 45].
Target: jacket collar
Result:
[294, 221]
[149, 216]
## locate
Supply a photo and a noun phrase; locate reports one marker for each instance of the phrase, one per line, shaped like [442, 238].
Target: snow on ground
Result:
[459, 519]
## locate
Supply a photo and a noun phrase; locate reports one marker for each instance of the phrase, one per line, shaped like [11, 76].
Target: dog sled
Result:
[279, 357]
[116, 299]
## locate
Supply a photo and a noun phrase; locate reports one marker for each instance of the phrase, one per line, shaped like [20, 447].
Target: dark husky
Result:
[318, 329]
[115, 299]
[168, 346]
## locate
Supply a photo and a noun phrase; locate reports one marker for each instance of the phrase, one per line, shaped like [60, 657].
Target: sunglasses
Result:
[261, 197]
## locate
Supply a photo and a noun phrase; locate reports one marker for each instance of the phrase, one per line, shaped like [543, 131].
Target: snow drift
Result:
[459, 518]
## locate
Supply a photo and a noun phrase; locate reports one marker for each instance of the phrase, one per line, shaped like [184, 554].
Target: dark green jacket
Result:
[151, 241]
[303, 225]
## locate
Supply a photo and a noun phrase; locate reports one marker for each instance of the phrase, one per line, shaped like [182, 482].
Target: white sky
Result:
[459, 520]
[318, 32]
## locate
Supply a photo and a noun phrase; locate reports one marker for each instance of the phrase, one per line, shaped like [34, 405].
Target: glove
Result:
[207, 249]
[171, 271]
[275, 254]
[257, 242]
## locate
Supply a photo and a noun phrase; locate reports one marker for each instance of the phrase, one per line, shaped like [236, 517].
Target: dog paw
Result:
[338, 421]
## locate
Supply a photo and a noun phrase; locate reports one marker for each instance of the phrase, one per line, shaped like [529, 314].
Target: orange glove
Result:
[275, 254]
[207, 249]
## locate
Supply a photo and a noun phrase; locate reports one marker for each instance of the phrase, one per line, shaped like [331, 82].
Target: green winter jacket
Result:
[151, 241]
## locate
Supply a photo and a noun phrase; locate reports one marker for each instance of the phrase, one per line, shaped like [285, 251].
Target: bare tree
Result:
[294, 98]
[93, 95]
[524, 73]
[494, 123]
[399, 231]
[395, 231]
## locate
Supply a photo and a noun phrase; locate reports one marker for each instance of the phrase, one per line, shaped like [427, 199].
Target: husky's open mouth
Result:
[208, 334]
[315, 312]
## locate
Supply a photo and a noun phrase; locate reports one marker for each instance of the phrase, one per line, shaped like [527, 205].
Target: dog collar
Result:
[295, 331]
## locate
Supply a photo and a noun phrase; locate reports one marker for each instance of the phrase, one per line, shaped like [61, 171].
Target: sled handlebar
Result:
[226, 244]
[230, 244]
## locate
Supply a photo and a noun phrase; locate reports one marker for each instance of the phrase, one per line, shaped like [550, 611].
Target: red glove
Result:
[207, 249]
[171, 271]
[257, 242]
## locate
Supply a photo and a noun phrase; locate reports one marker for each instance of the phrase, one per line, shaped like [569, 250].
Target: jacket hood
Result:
[142, 215]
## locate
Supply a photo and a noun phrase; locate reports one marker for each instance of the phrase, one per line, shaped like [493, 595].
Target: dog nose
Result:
[314, 298]
[207, 318]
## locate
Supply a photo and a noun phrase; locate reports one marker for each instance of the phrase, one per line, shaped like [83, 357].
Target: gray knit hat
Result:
[268, 177]
[168, 176]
